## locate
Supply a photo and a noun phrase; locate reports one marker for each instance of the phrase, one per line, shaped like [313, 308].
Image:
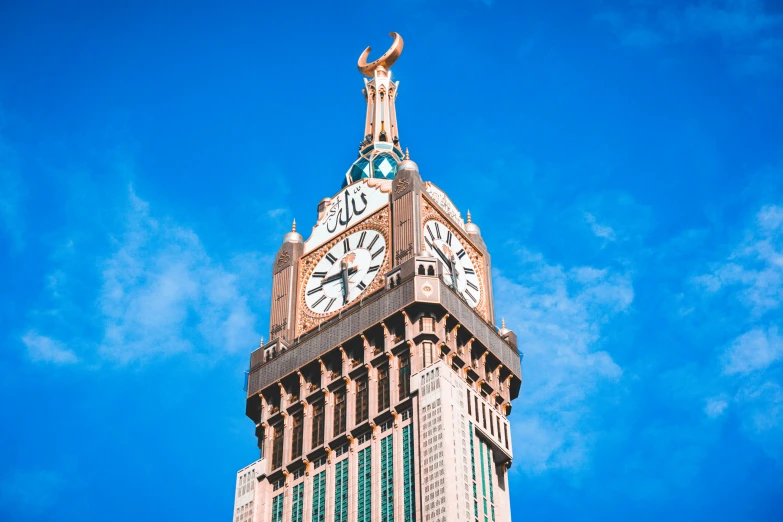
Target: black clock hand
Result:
[344, 274]
[339, 275]
[443, 257]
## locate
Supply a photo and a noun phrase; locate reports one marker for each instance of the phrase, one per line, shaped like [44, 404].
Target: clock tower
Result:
[385, 389]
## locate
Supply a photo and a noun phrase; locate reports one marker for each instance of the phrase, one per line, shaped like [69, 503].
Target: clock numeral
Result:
[329, 305]
[429, 231]
[470, 271]
[437, 229]
[320, 299]
[315, 290]
[319, 275]
[330, 258]
[369, 247]
[448, 237]
[373, 268]
[376, 254]
[471, 296]
[361, 238]
[474, 287]
[461, 253]
[428, 243]
[361, 286]
[346, 245]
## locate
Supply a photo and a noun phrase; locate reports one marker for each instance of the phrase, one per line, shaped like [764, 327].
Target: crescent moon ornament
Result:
[385, 61]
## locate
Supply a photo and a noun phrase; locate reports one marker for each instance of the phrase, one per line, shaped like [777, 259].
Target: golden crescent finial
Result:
[386, 61]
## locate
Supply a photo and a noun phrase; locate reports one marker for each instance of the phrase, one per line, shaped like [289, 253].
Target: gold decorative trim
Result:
[430, 210]
[378, 222]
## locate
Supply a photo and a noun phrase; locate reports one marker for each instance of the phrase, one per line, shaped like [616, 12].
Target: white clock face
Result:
[345, 271]
[459, 272]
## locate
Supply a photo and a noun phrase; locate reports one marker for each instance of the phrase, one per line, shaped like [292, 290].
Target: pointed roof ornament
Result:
[407, 154]
[469, 221]
[503, 330]
[293, 236]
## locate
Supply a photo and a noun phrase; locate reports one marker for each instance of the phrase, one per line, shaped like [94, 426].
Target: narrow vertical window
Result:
[277, 446]
[319, 497]
[427, 348]
[341, 491]
[491, 423]
[405, 376]
[339, 411]
[297, 435]
[467, 392]
[387, 478]
[364, 493]
[318, 424]
[297, 503]
[362, 400]
[383, 388]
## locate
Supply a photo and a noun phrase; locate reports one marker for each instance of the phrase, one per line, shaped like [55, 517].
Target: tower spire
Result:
[380, 125]
[379, 151]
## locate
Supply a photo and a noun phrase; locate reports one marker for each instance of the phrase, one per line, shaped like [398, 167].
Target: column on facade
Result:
[307, 428]
[372, 386]
[287, 438]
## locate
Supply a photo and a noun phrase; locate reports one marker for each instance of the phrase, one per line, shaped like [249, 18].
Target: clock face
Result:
[345, 271]
[459, 272]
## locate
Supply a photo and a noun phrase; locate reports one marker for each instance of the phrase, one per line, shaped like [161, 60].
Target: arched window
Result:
[421, 269]
[431, 271]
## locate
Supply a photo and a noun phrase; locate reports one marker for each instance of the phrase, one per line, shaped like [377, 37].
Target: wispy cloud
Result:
[558, 315]
[162, 294]
[602, 231]
[750, 364]
[754, 270]
[45, 349]
[747, 28]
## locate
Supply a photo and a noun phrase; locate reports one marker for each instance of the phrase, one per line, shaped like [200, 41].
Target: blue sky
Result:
[623, 160]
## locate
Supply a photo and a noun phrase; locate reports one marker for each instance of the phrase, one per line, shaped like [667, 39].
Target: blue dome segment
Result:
[374, 164]
[384, 166]
[360, 169]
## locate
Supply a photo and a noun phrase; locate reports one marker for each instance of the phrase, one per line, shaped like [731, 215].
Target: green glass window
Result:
[277, 508]
[319, 497]
[387, 478]
[364, 497]
[341, 491]
[297, 503]
[409, 500]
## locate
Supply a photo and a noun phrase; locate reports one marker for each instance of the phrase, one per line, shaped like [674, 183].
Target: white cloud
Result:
[602, 231]
[755, 267]
[753, 351]
[752, 276]
[162, 294]
[715, 406]
[45, 349]
[558, 315]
